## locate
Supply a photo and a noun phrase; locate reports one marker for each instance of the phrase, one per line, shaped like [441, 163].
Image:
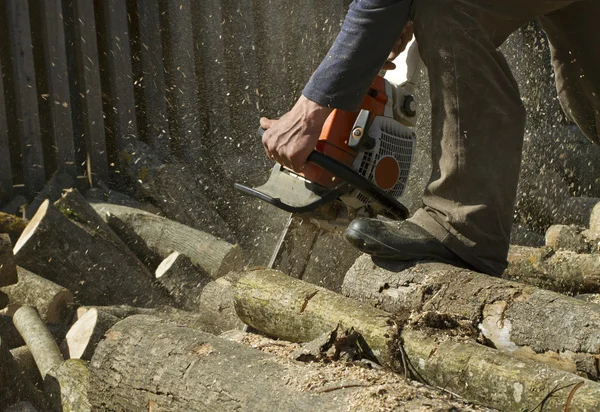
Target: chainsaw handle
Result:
[340, 170]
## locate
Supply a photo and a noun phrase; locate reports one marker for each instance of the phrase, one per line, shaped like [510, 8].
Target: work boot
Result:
[398, 240]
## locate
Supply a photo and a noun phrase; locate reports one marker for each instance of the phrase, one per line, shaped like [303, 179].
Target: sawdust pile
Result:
[375, 389]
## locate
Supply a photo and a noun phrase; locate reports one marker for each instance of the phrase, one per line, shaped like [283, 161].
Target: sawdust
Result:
[374, 389]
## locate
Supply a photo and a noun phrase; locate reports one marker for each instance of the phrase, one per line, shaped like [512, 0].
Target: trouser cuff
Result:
[455, 242]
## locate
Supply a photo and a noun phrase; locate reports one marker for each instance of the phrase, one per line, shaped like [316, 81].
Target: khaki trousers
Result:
[478, 117]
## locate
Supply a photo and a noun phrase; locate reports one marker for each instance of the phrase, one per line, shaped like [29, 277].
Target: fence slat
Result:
[55, 60]
[26, 103]
[183, 79]
[86, 49]
[120, 76]
[6, 191]
[153, 73]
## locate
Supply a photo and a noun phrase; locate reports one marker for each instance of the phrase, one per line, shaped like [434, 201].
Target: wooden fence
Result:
[188, 77]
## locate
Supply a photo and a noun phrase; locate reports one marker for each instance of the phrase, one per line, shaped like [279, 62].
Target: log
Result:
[95, 270]
[174, 188]
[67, 386]
[52, 191]
[561, 271]
[74, 206]
[523, 320]
[8, 267]
[14, 387]
[317, 311]
[86, 333]
[215, 314]
[564, 237]
[143, 359]
[38, 338]
[163, 236]
[12, 337]
[182, 279]
[13, 226]
[24, 360]
[104, 194]
[54, 303]
[15, 206]
[282, 307]
[9, 334]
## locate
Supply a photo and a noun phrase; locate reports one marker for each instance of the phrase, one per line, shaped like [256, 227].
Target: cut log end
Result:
[84, 335]
[32, 226]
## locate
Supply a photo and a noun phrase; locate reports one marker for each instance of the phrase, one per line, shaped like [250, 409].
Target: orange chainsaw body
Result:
[337, 130]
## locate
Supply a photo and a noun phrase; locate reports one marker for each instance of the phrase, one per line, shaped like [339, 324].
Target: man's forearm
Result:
[367, 36]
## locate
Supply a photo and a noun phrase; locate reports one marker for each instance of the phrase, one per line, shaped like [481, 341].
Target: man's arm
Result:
[369, 32]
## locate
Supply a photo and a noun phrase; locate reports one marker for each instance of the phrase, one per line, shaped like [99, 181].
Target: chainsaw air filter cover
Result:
[388, 164]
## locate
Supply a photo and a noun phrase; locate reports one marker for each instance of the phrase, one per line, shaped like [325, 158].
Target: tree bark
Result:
[163, 236]
[24, 359]
[141, 363]
[95, 270]
[53, 302]
[525, 321]
[8, 267]
[86, 333]
[52, 191]
[38, 338]
[561, 271]
[67, 386]
[290, 309]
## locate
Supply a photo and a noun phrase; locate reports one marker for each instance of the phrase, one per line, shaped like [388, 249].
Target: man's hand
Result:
[294, 136]
[405, 37]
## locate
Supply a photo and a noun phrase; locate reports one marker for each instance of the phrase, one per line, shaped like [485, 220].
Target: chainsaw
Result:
[361, 163]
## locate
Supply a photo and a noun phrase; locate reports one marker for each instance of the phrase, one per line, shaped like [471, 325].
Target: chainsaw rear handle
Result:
[396, 209]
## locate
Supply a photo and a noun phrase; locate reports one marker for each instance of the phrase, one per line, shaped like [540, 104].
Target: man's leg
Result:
[574, 35]
[477, 129]
[477, 126]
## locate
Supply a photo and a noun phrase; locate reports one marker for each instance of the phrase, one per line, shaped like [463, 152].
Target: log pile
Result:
[110, 307]
[568, 263]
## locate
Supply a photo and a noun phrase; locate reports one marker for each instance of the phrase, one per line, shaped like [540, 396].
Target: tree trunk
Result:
[183, 280]
[561, 271]
[141, 363]
[24, 359]
[86, 333]
[163, 236]
[290, 309]
[8, 267]
[52, 191]
[526, 321]
[315, 311]
[38, 338]
[67, 386]
[53, 302]
[95, 270]
[75, 207]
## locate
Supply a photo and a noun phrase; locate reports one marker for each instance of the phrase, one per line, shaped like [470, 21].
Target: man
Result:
[477, 115]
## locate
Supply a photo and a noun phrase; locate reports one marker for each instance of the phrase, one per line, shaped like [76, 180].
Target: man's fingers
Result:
[266, 123]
